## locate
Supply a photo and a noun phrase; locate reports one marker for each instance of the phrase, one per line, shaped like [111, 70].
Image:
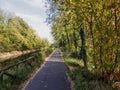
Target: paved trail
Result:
[52, 76]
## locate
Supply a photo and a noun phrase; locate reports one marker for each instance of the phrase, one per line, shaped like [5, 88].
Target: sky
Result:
[33, 12]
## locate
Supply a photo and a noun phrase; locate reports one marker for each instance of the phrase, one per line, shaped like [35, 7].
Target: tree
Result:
[100, 21]
[16, 34]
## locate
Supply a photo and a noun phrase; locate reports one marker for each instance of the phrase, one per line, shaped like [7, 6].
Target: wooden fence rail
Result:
[4, 69]
[15, 54]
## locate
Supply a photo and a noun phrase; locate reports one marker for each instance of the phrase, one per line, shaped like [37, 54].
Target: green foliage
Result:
[100, 20]
[80, 82]
[42, 55]
[82, 78]
[20, 75]
[50, 50]
[72, 61]
[16, 34]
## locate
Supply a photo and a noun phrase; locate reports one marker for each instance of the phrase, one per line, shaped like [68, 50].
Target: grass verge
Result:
[83, 79]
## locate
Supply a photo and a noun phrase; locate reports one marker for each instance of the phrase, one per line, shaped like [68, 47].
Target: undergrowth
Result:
[84, 79]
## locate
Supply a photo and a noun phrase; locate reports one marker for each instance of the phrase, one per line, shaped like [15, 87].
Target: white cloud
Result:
[31, 18]
[36, 3]
[32, 11]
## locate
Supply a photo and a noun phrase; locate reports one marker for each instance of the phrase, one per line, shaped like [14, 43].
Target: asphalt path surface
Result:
[52, 76]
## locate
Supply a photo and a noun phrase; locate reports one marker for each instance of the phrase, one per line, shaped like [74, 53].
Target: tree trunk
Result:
[92, 35]
[84, 55]
[67, 36]
[75, 44]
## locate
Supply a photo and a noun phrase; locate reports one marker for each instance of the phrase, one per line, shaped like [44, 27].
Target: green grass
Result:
[84, 79]
[73, 62]
[20, 75]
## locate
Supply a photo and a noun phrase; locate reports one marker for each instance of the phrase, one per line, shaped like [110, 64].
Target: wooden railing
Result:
[15, 54]
[5, 70]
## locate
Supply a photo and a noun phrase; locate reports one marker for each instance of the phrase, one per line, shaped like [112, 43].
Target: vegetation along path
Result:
[52, 76]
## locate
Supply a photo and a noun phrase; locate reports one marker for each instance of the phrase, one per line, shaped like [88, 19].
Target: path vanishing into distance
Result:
[52, 76]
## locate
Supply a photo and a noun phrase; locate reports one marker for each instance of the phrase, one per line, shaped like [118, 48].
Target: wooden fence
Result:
[4, 70]
[15, 54]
